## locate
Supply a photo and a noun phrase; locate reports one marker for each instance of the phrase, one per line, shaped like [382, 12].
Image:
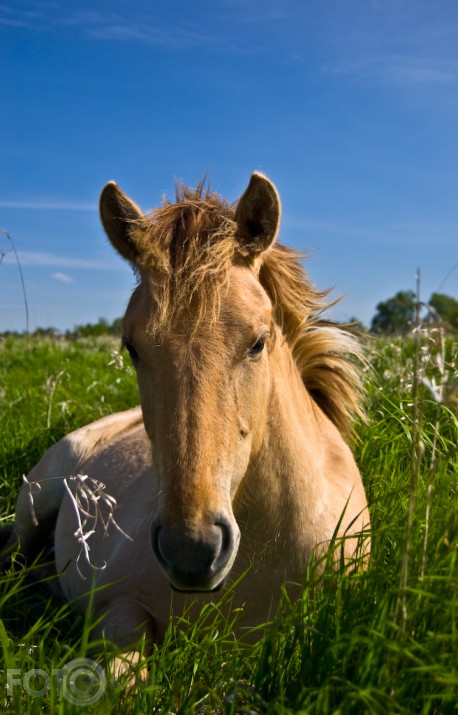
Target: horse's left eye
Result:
[132, 352]
[257, 348]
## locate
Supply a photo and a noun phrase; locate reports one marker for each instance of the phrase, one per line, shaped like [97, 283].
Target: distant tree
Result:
[395, 315]
[90, 329]
[447, 307]
[50, 333]
[11, 334]
[102, 327]
[355, 324]
[116, 327]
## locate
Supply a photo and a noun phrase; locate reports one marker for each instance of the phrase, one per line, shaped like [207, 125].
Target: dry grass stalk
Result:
[416, 459]
[26, 305]
[92, 506]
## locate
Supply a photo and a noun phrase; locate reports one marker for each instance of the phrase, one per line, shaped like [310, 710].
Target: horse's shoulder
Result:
[85, 442]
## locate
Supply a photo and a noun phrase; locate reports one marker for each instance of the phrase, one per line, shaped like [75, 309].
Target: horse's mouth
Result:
[192, 589]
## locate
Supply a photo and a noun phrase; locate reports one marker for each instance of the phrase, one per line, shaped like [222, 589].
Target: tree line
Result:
[394, 316]
[88, 330]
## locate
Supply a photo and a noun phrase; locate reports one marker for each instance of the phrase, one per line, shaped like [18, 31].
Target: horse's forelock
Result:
[187, 250]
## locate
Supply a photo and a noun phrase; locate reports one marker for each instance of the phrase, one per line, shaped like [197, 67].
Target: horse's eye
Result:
[131, 350]
[257, 348]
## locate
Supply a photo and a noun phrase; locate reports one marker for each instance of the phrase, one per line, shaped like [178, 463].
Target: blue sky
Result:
[349, 106]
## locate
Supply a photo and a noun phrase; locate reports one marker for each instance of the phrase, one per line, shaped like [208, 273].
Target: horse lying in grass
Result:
[237, 460]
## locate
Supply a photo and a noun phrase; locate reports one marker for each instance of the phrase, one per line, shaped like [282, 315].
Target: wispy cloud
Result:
[151, 28]
[248, 12]
[49, 260]
[9, 22]
[151, 34]
[47, 204]
[62, 277]
[401, 233]
[398, 69]
[16, 16]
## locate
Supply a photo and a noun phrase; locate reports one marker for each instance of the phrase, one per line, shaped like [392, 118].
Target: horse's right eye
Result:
[257, 348]
[131, 350]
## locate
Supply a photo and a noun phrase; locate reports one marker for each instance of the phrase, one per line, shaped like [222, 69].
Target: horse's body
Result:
[236, 460]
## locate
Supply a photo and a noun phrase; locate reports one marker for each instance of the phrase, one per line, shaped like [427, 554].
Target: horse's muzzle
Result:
[196, 560]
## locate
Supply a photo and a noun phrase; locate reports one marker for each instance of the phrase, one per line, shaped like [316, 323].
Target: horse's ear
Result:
[118, 214]
[258, 214]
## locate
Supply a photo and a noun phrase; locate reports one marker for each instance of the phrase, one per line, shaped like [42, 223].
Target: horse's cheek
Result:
[251, 399]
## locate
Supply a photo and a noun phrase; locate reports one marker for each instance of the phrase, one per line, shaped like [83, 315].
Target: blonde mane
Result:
[187, 248]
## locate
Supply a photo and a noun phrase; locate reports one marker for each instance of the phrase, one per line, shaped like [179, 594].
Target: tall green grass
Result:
[381, 641]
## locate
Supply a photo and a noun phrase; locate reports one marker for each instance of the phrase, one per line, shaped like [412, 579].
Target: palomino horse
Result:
[237, 460]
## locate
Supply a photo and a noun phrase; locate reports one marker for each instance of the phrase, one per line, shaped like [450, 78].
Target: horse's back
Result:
[44, 488]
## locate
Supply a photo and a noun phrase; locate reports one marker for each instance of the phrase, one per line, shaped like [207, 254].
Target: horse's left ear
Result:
[258, 214]
[119, 214]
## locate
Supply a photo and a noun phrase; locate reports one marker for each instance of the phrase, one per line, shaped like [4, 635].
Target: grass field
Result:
[384, 641]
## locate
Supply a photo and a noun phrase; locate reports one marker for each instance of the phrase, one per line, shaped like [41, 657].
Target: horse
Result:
[237, 461]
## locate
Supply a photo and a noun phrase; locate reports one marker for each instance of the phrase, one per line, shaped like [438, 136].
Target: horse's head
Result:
[199, 331]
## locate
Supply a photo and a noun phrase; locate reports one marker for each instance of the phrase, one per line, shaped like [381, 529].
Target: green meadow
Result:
[380, 641]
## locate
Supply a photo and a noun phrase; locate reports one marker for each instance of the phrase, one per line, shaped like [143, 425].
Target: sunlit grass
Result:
[345, 646]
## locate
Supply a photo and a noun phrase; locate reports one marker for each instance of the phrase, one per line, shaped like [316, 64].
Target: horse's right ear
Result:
[118, 214]
[258, 215]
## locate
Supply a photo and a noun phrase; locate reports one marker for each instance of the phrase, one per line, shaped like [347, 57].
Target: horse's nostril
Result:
[227, 541]
[155, 533]
[155, 545]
